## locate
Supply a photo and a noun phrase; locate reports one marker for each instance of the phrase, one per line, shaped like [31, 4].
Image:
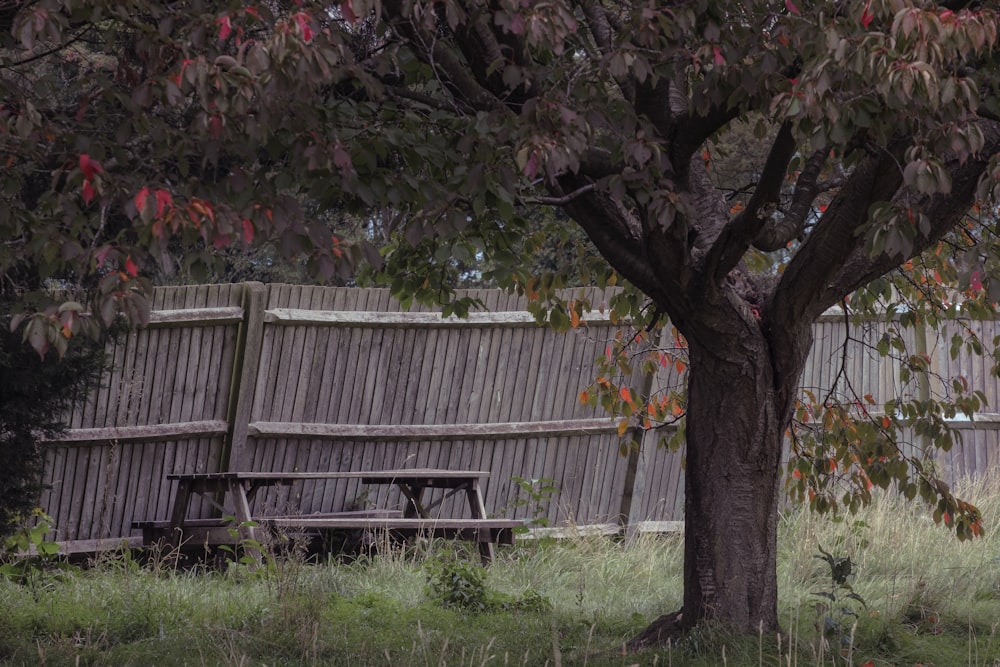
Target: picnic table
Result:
[240, 488]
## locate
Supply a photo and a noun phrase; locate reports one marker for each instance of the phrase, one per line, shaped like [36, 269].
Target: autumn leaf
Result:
[130, 267]
[866, 15]
[140, 199]
[790, 6]
[247, 231]
[622, 427]
[225, 27]
[163, 200]
[347, 11]
[87, 192]
[584, 397]
[976, 281]
[302, 19]
[89, 167]
[625, 394]
[720, 60]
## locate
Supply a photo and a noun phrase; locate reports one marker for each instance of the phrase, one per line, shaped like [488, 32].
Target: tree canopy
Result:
[744, 164]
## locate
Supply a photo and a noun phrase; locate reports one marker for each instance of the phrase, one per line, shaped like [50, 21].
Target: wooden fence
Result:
[292, 378]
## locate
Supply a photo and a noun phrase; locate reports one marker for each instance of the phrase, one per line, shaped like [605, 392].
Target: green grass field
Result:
[930, 600]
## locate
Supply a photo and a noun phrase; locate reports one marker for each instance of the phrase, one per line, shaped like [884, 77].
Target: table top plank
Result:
[429, 474]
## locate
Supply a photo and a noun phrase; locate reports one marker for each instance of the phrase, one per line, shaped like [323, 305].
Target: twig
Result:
[564, 199]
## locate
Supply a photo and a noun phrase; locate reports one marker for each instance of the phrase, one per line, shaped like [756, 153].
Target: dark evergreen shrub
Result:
[35, 393]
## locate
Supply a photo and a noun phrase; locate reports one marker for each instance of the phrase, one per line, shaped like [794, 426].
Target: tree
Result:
[129, 125]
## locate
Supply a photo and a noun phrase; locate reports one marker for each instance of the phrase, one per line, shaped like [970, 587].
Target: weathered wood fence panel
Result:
[162, 408]
[293, 378]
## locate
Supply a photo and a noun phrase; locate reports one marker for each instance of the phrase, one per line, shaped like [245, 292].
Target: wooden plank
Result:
[76, 547]
[150, 433]
[553, 428]
[318, 453]
[246, 366]
[195, 317]
[414, 319]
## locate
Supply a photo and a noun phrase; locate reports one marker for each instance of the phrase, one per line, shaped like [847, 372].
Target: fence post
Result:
[246, 363]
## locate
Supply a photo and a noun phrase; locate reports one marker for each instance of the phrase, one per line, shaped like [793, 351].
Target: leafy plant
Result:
[460, 584]
[836, 616]
[534, 494]
[249, 553]
[31, 558]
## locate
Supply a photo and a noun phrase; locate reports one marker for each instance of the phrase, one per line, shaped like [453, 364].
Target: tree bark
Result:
[740, 399]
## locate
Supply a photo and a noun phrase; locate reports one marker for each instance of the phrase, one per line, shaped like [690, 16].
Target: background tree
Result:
[127, 127]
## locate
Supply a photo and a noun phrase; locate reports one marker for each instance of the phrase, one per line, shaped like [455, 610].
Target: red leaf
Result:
[866, 15]
[163, 200]
[89, 167]
[347, 11]
[720, 60]
[302, 19]
[225, 27]
[140, 199]
[130, 267]
[88, 192]
[976, 281]
[790, 6]
[247, 231]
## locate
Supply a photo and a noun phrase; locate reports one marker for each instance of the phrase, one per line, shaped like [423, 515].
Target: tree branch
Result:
[776, 235]
[442, 57]
[943, 212]
[564, 199]
[736, 236]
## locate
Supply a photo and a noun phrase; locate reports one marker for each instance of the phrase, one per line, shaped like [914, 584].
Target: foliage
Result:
[460, 584]
[535, 495]
[743, 165]
[836, 616]
[35, 393]
[31, 558]
[357, 614]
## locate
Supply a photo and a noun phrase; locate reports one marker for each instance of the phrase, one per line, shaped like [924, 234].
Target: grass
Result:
[930, 600]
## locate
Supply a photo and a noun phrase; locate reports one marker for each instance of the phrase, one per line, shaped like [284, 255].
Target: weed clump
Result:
[458, 584]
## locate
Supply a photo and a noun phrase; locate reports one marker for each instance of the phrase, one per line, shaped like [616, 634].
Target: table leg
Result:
[478, 509]
[178, 512]
[414, 509]
[241, 507]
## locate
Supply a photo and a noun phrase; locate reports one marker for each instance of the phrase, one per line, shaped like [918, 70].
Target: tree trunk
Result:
[738, 410]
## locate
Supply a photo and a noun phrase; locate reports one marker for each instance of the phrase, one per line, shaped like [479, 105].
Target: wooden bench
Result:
[414, 520]
[482, 531]
[221, 530]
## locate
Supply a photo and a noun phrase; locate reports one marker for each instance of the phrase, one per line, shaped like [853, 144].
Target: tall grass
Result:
[929, 599]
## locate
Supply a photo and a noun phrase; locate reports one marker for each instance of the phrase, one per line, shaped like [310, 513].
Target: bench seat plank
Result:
[477, 530]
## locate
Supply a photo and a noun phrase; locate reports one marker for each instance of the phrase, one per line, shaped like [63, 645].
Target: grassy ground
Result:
[929, 600]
